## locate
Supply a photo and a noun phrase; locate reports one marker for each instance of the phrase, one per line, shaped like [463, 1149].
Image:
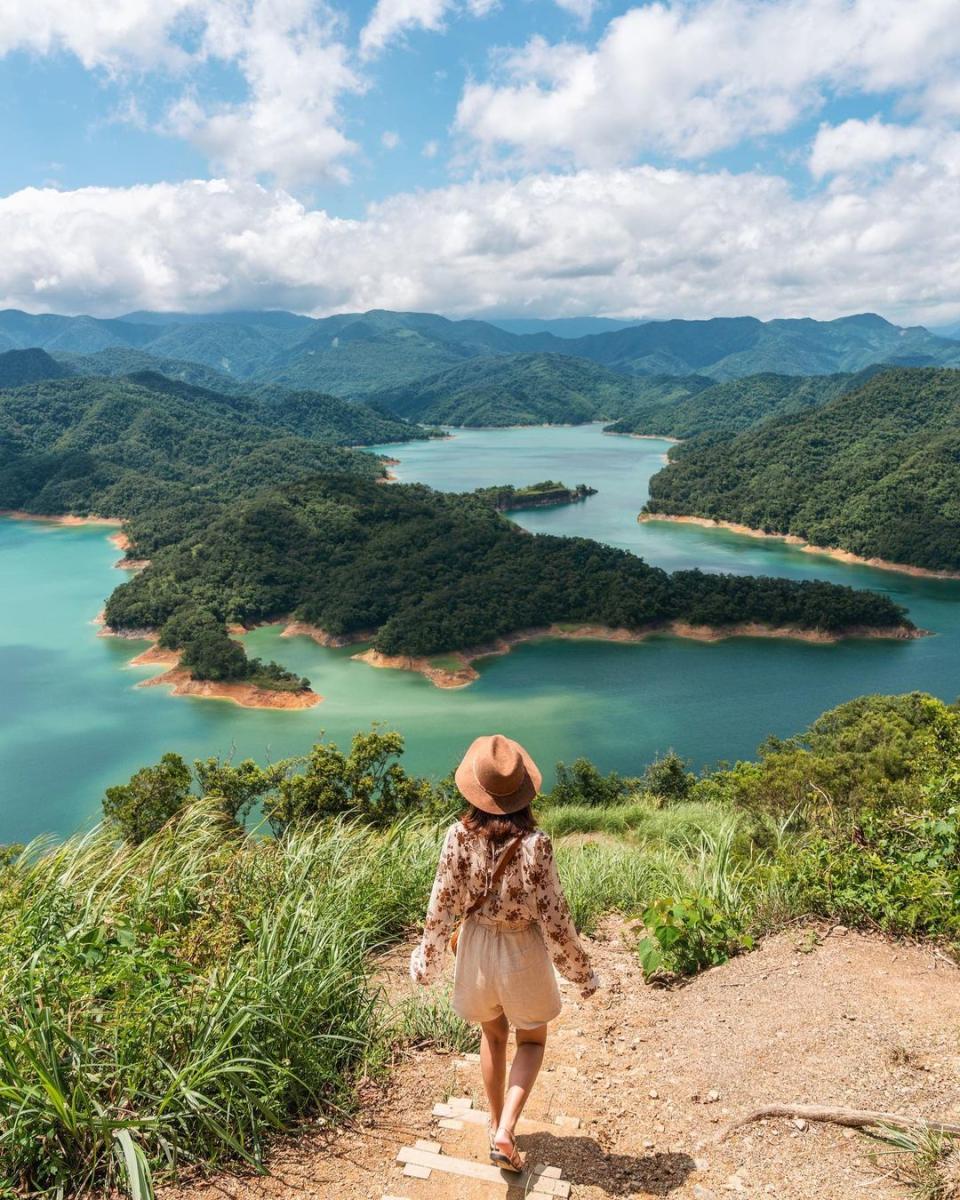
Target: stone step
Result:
[537, 1180]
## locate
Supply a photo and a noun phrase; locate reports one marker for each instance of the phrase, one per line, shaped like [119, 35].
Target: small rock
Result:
[648, 1145]
[702, 1193]
[712, 1097]
[654, 1094]
[801, 1124]
[734, 1184]
[839, 931]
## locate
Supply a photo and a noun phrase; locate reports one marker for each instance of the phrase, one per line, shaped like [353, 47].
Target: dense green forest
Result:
[176, 991]
[694, 406]
[19, 367]
[355, 354]
[516, 389]
[875, 471]
[421, 572]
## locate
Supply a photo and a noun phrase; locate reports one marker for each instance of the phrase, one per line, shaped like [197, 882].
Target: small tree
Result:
[368, 783]
[238, 788]
[669, 778]
[153, 795]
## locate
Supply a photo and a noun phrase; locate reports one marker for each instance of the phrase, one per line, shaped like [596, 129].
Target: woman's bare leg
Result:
[493, 1064]
[523, 1075]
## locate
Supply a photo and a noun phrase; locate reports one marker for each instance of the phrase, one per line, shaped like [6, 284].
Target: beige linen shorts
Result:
[504, 968]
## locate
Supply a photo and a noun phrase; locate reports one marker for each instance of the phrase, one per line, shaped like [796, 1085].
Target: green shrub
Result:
[687, 934]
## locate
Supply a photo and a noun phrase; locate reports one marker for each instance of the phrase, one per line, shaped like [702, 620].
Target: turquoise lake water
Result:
[72, 721]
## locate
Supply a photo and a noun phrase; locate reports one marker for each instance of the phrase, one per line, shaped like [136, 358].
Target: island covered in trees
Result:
[545, 494]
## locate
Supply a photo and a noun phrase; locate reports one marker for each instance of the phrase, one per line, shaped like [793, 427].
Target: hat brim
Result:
[479, 797]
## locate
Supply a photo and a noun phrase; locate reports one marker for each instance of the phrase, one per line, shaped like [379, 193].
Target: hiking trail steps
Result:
[459, 1167]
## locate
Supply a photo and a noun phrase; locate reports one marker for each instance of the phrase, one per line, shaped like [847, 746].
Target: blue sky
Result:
[526, 157]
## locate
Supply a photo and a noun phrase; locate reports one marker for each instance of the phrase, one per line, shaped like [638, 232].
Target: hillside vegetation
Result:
[875, 471]
[517, 389]
[18, 367]
[726, 408]
[176, 992]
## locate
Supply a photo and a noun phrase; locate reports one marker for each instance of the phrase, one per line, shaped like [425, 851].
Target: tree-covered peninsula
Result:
[420, 572]
[875, 472]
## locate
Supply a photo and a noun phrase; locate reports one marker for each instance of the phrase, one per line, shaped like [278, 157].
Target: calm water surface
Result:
[72, 722]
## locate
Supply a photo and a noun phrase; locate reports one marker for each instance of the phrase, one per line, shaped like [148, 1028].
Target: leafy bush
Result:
[687, 934]
[583, 784]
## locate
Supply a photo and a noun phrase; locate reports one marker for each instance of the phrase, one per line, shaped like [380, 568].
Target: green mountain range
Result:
[875, 471]
[355, 354]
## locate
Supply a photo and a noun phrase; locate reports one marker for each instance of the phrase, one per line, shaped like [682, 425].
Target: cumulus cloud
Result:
[390, 18]
[296, 70]
[622, 241]
[691, 77]
[290, 53]
[855, 145]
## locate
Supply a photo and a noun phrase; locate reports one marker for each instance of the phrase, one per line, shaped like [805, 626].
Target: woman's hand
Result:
[590, 988]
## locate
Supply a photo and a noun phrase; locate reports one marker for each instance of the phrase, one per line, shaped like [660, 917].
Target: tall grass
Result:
[190, 995]
[182, 1000]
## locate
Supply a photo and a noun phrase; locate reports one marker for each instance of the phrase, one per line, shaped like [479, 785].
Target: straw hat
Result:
[497, 775]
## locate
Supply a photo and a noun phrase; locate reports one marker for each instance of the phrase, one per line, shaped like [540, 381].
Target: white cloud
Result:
[290, 53]
[389, 139]
[431, 149]
[694, 76]
[391, 18]
[296, 70]
[581, 9]
[113, 34]
[855, 145]
[619, 241]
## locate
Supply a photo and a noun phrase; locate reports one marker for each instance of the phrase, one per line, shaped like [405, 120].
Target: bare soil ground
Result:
[812, 1016]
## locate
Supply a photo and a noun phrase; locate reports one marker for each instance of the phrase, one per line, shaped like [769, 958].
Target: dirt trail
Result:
[811, 1016]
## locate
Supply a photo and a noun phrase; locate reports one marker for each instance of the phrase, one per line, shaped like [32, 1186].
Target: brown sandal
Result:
[508, 1162]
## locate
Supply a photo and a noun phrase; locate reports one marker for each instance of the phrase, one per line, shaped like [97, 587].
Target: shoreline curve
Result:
[792, 539]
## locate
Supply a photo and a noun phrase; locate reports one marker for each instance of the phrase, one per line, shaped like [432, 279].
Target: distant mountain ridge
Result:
[354, 354]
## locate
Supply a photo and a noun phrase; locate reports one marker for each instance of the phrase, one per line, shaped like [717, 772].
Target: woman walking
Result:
[497, 874]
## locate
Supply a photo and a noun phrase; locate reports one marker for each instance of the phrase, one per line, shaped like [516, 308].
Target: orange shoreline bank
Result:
[465, 673]
[182, 683]
[791, 539]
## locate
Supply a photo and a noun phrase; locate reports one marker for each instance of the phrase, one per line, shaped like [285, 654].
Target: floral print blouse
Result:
[528, 890]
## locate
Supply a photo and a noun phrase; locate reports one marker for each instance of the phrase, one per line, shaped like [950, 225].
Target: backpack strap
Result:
[495, 877]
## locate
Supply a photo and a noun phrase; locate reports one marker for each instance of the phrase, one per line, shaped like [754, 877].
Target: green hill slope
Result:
[147, 446]
[522, 389]
[725, 408]
[29, 366]
[875, 471]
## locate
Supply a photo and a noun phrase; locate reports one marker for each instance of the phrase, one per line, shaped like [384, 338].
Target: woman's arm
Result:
[556, 922]
[445, 909]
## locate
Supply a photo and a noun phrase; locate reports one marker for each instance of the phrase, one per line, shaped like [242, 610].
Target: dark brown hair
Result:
[498, 827]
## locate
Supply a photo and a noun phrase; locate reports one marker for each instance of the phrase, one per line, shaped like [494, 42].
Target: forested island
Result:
[874, 472]
[546, 494]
